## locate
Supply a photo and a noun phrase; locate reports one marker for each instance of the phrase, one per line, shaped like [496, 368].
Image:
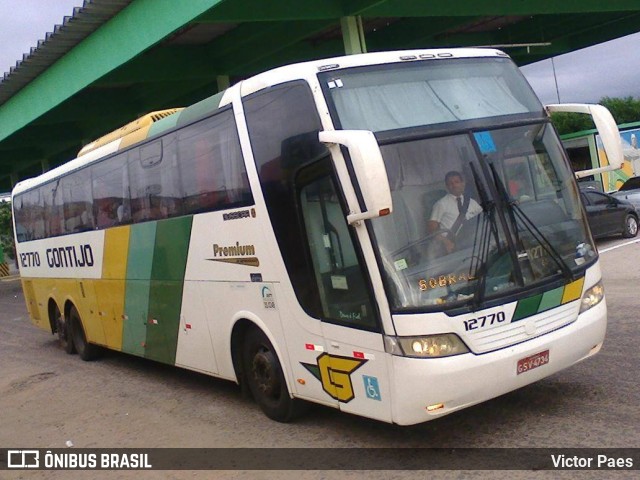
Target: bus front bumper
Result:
[425, 389]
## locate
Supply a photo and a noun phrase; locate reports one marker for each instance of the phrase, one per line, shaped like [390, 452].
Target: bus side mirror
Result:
[607, 129]
[369, 169]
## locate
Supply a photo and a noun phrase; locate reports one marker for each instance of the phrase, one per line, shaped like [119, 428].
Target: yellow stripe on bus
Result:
[572, 291]
[110, 291]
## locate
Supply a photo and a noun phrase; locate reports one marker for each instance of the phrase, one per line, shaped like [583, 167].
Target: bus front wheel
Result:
[265, 378]
[87, 351]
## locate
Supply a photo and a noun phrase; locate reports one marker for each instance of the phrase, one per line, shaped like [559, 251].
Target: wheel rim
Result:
[264, 374]
[632, 226]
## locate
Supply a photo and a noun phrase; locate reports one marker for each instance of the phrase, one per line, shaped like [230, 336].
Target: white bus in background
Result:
[280, 235]
[586, 151]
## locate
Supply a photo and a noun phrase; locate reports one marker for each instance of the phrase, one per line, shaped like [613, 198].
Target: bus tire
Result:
[65, 339]
[265, 378]
[87, 351]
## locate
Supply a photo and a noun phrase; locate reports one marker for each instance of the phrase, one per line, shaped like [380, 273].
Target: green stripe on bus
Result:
[163, 125]
[165, 294]
[140, 260]
[200, 109]
[527, 307]
[551, 299]
[540, 303]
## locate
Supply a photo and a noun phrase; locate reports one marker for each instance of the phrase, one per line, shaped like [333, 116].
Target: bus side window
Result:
[18, 214]
[212, 167]
[25, 212]
[77, 198]
[154, 180]
[35, 204]
[52, 209]
[196, 163]
[110, 182]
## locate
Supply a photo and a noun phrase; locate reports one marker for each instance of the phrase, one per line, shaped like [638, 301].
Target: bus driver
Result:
[450, 212]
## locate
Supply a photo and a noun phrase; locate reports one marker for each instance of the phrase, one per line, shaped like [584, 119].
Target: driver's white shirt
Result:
[445, 210]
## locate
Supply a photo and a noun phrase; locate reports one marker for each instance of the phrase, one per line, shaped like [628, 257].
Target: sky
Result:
[24, 22]
[610, 69]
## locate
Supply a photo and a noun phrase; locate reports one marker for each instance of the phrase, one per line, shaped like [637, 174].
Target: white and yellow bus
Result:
[283, 234]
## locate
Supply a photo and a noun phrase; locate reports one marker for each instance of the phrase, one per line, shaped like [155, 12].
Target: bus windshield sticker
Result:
[339, 282]
[485, 142]
[349, 316]
[400, 264]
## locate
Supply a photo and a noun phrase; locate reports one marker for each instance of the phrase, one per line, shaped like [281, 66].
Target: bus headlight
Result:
[592, 297]
[431, 346]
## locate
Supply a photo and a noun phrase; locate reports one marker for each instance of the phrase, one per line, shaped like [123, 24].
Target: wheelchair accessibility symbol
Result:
[371, 387]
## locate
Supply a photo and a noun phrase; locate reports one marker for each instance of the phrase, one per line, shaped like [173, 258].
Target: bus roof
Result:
[156, 123]
[137, 129]
[309, 69]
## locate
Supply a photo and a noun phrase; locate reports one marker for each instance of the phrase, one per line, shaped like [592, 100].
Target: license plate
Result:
[533, 361]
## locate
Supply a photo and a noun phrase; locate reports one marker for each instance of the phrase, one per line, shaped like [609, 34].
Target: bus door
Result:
[353, 368]
[328, 317]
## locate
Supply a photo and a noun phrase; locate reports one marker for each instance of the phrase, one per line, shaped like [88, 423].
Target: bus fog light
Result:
[443, 345]
[592, 297]
[436, 407]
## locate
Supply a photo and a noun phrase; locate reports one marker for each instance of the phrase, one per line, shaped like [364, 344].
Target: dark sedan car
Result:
[609, 215]
[630, 191]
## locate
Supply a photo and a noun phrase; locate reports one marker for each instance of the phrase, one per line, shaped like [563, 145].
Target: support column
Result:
[44, 163]
[353, 35]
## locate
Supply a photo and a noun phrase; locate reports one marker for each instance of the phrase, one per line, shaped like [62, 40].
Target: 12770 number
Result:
[484, 321]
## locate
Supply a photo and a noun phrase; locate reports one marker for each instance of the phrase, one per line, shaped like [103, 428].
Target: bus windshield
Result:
[479, 215]
[483, 207]
[431, 92]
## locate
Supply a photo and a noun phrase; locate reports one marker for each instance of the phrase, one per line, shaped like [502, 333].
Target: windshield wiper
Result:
[526, 222]
[482, 239]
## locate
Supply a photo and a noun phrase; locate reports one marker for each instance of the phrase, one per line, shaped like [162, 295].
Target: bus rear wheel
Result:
[265, 378]
[87, 351]
[62, 329]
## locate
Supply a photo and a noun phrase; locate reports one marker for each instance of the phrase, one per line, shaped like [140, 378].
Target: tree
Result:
[624, 110]
[6, 229]
[566, 122]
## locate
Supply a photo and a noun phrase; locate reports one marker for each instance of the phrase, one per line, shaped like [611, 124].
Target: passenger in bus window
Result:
[107, 216]
[451, 211]
[519, 183]
[169, 207]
